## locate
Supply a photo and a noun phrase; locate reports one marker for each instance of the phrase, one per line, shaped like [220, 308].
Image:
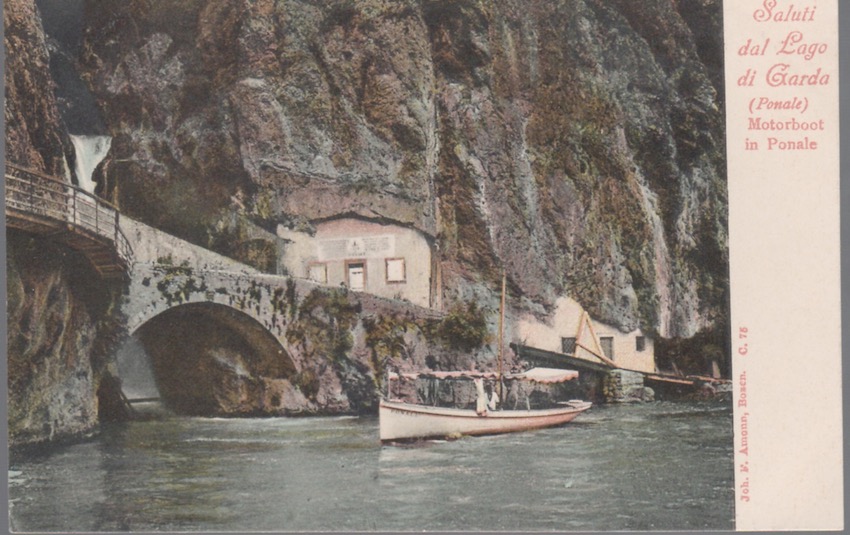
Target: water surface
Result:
[654, 466]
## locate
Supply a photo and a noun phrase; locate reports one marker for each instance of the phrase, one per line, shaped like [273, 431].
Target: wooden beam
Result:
[599, 351]
[557, 360]
[603, 358]
[660, 378]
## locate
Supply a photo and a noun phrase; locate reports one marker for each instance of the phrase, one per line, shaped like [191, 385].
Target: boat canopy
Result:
[538, 375]
[546, 375]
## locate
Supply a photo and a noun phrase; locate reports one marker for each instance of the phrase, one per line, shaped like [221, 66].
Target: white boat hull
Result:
[405, 421]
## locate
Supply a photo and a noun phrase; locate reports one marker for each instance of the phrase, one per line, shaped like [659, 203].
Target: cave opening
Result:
[205, 359]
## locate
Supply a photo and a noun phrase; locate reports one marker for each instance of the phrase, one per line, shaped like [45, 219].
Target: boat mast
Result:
[501, 333]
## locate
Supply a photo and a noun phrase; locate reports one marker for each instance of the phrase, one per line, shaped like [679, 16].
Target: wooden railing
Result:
[64, 204]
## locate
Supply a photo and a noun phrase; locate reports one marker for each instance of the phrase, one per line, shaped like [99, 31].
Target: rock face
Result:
[61, 320]
[61, 327]
[578, 144]
[35, 136]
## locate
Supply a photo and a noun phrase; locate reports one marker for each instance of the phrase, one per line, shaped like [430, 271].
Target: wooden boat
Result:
[401, 421]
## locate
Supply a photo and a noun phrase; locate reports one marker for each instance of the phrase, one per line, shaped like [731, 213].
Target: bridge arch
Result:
[209, 358]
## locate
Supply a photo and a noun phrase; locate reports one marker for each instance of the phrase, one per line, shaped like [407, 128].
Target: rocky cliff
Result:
[35, 134]
[62, 327]
[62, 322]
[579, 144]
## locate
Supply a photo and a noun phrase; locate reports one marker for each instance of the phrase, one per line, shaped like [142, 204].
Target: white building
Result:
[365, 255]
[571, 330]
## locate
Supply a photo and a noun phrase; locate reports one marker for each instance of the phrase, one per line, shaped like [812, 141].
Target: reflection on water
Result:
[643, 467]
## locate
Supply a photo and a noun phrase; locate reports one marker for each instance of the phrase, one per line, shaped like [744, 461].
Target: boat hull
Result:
[405, 421]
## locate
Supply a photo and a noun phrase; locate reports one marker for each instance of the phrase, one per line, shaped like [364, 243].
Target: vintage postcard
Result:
[422, 265]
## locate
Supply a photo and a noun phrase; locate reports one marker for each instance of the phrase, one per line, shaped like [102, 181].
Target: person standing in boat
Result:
[487, 397]
[492, 396]
[481, 400]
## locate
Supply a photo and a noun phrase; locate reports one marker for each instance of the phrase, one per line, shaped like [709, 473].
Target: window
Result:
[568, 346]
[395, 270]
[607, 343]
[318, 272]
[640, 343]
[355, 275]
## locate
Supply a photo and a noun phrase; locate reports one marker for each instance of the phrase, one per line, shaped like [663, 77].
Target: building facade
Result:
[363, 255]
[571, 330]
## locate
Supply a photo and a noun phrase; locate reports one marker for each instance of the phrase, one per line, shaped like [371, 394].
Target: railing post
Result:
[32, 193]
[74, 203]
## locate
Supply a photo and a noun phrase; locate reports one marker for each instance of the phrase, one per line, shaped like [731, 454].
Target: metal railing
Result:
[35, 193]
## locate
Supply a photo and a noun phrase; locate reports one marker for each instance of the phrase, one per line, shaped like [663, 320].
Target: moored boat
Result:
[401, 421]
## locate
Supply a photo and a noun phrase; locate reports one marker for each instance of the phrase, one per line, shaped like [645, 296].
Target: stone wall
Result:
[619, 386]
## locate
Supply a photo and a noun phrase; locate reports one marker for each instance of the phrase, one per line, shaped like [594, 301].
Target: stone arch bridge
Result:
[225, 338]
[221, 336]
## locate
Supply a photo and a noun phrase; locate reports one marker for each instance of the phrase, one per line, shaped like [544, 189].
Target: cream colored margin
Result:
[784, 265]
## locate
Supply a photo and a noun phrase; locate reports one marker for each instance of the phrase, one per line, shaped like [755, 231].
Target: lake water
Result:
[654, 466]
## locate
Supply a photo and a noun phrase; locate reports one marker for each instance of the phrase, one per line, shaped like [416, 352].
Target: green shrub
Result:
[464, 328]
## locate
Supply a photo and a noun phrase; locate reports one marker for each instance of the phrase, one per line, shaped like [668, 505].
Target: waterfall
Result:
[90, 151]
[136, 370]
[664, 276]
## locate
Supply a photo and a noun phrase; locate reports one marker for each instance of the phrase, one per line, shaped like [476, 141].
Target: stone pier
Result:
[623, 386]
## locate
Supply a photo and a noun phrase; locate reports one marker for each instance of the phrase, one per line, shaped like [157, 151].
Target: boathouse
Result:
[571, 331]
[376, 256]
